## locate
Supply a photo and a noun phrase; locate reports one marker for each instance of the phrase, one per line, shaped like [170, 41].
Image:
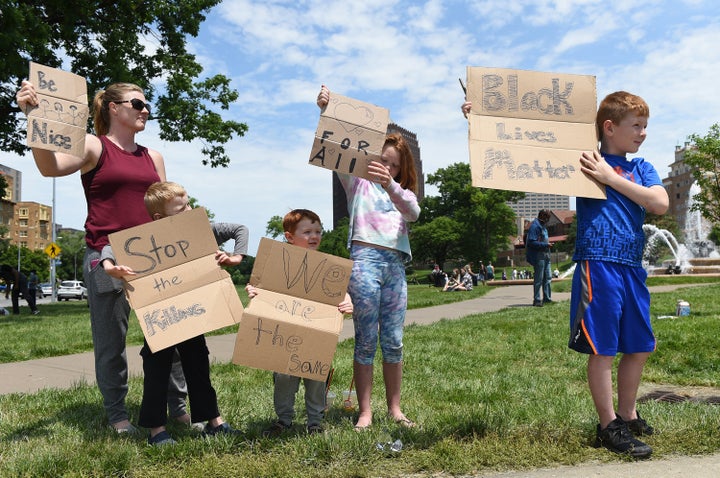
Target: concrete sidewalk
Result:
[66, 371]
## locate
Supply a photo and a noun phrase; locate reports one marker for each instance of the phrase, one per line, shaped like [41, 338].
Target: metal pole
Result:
[52, 259]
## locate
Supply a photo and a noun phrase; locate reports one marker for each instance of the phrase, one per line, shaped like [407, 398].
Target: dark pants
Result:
[194, 356]
[16, 301]
[109, 311]
[32, 298]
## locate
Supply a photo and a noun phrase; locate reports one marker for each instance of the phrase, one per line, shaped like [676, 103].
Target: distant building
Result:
[7, 213]
[31, 226]
[678, 185]
[340, 200]
[13, 177]
[532, 203]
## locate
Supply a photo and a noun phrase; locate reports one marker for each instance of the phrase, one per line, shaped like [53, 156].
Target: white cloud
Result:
[407, 56]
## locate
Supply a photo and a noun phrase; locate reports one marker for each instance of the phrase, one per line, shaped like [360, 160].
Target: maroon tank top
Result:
[115, 191]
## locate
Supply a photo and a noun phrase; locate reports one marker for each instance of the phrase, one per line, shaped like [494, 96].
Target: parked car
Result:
[71, 289]
[45, 290]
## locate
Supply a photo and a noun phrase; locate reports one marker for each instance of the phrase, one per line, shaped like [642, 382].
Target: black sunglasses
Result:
[136, 104]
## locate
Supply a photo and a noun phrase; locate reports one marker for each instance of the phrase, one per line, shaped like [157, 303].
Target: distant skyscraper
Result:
[340, 200]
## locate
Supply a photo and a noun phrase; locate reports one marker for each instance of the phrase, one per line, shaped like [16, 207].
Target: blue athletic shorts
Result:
[610, 309]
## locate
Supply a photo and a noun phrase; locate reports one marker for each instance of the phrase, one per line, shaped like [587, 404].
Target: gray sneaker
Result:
[617, 438]
[129, 429]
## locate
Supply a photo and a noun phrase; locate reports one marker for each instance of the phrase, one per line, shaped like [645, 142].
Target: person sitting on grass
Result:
[467, 278]
[454, 282]
[303, 229]
[164, 199]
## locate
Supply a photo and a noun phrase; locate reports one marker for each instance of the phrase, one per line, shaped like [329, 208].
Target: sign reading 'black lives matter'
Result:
[528, 129]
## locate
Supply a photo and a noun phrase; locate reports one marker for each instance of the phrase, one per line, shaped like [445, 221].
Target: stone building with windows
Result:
[677, 185]
[27, 224]
[31, 226]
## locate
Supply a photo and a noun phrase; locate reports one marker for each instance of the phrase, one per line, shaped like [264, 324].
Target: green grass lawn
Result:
[491, 392]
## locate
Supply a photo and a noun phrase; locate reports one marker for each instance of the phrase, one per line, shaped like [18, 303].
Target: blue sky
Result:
[407, 56]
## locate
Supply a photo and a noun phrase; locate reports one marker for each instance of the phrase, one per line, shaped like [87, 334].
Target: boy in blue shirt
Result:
[610, 302]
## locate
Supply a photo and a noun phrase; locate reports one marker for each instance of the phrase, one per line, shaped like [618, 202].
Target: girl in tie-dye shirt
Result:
[380, 210]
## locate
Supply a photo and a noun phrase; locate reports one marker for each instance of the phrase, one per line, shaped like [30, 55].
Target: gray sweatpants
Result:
[286, 387]
[109, 312]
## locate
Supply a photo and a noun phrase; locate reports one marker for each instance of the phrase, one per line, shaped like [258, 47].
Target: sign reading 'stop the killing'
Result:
[350, 134]
[528, 129]
[59, 120]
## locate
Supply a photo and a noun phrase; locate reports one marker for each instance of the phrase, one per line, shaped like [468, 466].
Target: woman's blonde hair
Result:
[114, 92]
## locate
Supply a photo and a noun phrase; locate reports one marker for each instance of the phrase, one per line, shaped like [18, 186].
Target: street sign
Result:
[52, 250]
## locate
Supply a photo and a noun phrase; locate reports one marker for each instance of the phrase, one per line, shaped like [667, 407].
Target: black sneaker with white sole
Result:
[617, 438]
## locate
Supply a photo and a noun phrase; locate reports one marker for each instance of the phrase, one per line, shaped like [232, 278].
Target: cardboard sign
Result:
[292, 325]
[350, 134]
[179, 291]
[527, 130]
[58, 122]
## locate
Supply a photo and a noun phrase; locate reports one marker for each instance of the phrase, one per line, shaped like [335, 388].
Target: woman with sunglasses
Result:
[115, 173]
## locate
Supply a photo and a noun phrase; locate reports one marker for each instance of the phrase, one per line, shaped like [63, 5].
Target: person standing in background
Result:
[537, 253]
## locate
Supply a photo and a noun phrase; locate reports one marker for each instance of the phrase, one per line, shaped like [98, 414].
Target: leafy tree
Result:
[4, 239]
[704, 159]
[714, 235]
[72, 251]
[274, 227]
[568, 245]
[240, 274]
[667, 222]
[335, 241]
[485, 219]
[438, 239]
[136, 41]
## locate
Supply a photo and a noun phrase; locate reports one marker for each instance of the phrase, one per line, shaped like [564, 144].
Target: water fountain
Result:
[696, 255]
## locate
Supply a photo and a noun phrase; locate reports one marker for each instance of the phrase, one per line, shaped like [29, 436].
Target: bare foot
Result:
[364, 421]
[401, 419]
